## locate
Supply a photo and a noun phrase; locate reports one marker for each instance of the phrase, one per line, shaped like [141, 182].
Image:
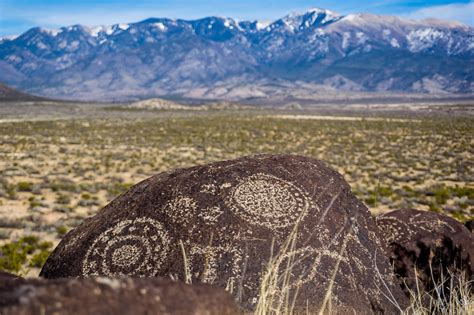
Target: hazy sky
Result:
[16, 16]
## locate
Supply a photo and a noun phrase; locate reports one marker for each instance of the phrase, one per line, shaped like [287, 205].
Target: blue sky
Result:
[16, 16]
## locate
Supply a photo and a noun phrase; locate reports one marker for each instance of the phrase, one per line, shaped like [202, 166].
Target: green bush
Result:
[441, 195]
[28, 251]
[25, 186]
[39, 259]
[61, 230]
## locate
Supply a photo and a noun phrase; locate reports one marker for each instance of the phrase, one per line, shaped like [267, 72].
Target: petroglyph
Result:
[181, 208]
[222, 224]
[132, 247]
[426, 248]
[268, 201]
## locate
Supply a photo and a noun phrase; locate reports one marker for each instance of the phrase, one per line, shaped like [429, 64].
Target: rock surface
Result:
[470, 225]
[7, 276]
[434, 244]
[112, 296]
[223, 217]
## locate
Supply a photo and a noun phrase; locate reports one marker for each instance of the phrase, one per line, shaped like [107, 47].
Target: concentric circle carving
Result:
[132, 247]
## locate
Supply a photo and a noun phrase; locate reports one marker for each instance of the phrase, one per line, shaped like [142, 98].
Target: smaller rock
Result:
[431, 244]
[469, 225]
[111, 296]
[7, 276]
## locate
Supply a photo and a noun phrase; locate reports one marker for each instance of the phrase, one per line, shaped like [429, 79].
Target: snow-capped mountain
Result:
[223, 57]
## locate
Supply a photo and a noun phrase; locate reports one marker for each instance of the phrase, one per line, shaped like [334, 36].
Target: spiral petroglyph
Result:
[135, 247]
[268, 201]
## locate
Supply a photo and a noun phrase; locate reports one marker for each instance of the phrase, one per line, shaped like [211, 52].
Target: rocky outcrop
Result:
[433, 245]
[222, 223]
[112, 296]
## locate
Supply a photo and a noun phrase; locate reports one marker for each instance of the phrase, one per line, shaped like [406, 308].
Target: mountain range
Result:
[317, 52]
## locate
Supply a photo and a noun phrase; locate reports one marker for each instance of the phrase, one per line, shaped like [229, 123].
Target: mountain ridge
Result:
[160, 57]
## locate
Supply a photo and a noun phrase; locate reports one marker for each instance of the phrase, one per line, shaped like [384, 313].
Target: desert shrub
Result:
[63, 199]
[33, 202]
[27, 251]
[25, 186]
[64, 185]
[117, 188]
[384, 191]
[11, 191]
[441, 195]
[61, 231]
[39, 259]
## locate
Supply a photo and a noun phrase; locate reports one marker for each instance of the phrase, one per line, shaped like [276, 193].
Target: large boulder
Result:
[432, 245]
[112, 296]
[224, 222]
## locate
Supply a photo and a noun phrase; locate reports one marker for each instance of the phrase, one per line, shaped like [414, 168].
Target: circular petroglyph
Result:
[181, 209]
[269, 201]
[131, 247]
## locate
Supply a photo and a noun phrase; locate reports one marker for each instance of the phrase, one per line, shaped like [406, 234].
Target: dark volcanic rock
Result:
[112, 296]
[470, 225]
[433, 244]
[223, 218]
[7, 276]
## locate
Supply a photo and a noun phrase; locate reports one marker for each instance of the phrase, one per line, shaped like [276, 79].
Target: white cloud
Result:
[461, 12]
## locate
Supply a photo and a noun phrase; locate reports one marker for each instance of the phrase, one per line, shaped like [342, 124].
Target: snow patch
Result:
[262, 25]
[422, 39]
[8, 38]
[350, 17]
[345, 40]
[52, 32]
[160, 26]
[41, 45]
[109, 30]
[394, 43]
[361, 38]
[123, 26]
[74, 45]
[95, 31]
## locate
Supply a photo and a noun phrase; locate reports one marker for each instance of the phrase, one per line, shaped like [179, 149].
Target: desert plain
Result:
[61, 162]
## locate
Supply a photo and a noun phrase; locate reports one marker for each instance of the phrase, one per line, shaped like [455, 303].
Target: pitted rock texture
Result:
[433, 244]
[113, 296]
[223, 217]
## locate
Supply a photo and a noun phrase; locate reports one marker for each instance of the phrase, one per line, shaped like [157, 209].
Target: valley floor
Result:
[60, 163]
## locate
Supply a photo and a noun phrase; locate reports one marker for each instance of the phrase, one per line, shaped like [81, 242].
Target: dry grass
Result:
[452, 296]
[277, 295]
